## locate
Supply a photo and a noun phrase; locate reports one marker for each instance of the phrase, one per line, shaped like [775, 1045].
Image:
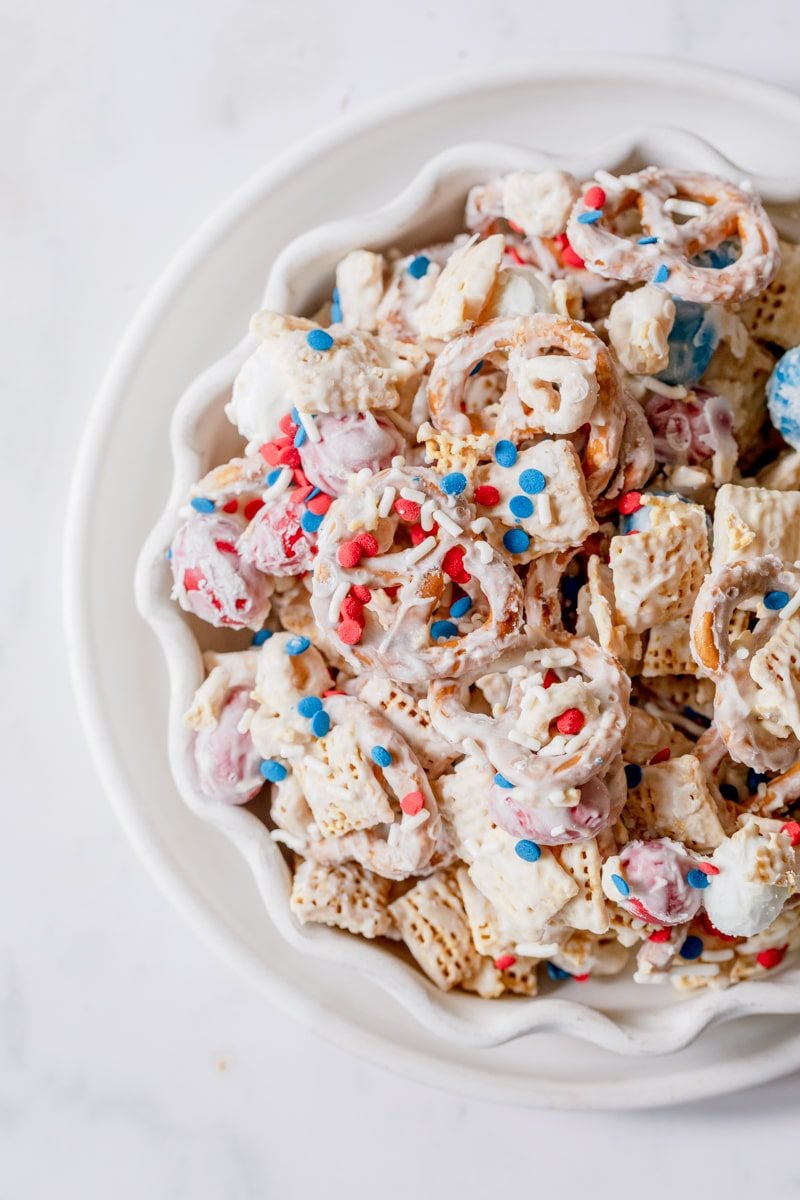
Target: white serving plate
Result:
[199, 869]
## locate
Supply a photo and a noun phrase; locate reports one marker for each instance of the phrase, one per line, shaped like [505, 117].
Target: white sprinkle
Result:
[423, 705]
[363, 476]
[537, 949]
[288, 839]
[480, 525]
[695, 968]
[791, 608]
[716, 955]
[485, 552]
[664, 389]
[246, 720]
[742, 652]
[557, 830]
[280, 484]
[447, 523]
[522, 740]
[418, 552]
[426, 516]
[685, 208]
[470, 746]
[315, 766]
[386, 501]
[394, 834]
[337, 599]
[610, 182]
[543, 510]
[310, 426]
[411, 823]
[412, 494]
[398, 461]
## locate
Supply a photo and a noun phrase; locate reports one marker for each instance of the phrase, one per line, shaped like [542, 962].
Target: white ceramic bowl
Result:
[429, 208]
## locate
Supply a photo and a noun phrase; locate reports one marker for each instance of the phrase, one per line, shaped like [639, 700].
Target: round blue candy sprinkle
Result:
[381, 756]
[169, 554]
[691, 948]
[262, 636]
[532, 481]
[453, 484]
[297, 645]
[460, 607]
[620, 884]
[661, 275]
[557, 973]
[697, 878]
[646, 241]
[505, 453]
[300, 437]
[309, 705]
[633, 774]
[516, 541]
[590, 216]
[776, 600]
[729, 792]
[272, 770]
[320, 724]
[476, 370]
[502, 782]
[521, 506]
[754, 780]
[443, 629]
[336, 314]
[528, 850]
[273, 476]
[201, 504]
[311, 521]
[335, 297]
[319, 339]
[419, 266]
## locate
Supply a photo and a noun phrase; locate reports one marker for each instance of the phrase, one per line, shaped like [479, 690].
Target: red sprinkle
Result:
[225, 547]
[661, 756]
[512, 252]
[362, 594]
[792, 829]
[252, 507]
[350, 632]
[193, 578]
[231, 507]
[571, 721]
[300, 478]
[517, 228]
[333, 692]
[368, 543]
[413, 803]
[504, 961]
[561, 240]
[320, 504]
[631, 502]
[595, 197]
[349, 554]
[392, 591]
[287, 426]
[572, 259]
[581, 978]
[550, 678]
[289, 456]
[352, 610]
[660, 935]
[407, 510]
[486, 495]
[708, 868]
[271, 451]
[771, 958]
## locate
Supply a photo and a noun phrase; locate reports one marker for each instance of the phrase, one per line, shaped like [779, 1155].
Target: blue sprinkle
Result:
[516, 541]
[646, 241]
[272, 770]
[729, 792]
[201, 504]
[633, 774]
[776, 600]
[335, 297]
[505, 453]
[590, 217]
[297, 645]
[460, 607]
[300, 437]
[453, 484]
[661, 275]
[295, 415]
[620, 884]
[528, 850]
[273, 476]
[314, 492]
[311, 521]
[319, 339]
[754, 780]
[532, 481]
[262, 636]
[521, 506]
[557, 973]
[336, 314]
[443, 629]
[419, 266]
[169, 554]
[691, 948]
[697, 878]
[309, 705]
[381, 756]
[476, 370]
[320, 724]
[502, 782]
[698, 717]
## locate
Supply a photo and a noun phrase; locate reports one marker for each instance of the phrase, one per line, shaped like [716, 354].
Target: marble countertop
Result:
[132, 1063]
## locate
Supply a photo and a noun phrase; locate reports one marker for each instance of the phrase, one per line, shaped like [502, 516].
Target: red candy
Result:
[631, 502]
[453, 565]
[417, 534]
[352, 610]
[486, 495]
[581, 978]
[571, 259]
[571, 721]
[368, 543]
[362, 594]
[772, 957]
[287, 425]
[661, 756]
[550, 678]
[595, 197]
[349, 554]
[252, 507]
[193, 578]
[350, 632]
[792, 830]
[320, 504]
[407, 510]
[660, 935]
[289, 456]
[231, 507]
[271, 451]
[708, 868]
[413, 803]
[504, 961]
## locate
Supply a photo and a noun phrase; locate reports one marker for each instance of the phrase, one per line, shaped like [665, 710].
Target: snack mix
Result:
[515, 531]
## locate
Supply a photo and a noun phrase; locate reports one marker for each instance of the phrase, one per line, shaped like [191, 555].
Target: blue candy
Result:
[297, 645]
[453, 484]
[502, 782]
[775, 601]
[719, 256]
[633, 774]
[532, 481]
[419, 266]
[460, 607]
[443, 629]
[661, 275]
[381, 756]
[620, 884]
[272, 770]
[311, 521]
[691, 948]
[783, 397]
[516, 541]
[309, 705]
[521, 506]
[692, 342]
[318, 339]
[262, 636]
[697, 879]
[202, 505]
[505, 453]
[557, 973]
[528, 850]
[320, 723]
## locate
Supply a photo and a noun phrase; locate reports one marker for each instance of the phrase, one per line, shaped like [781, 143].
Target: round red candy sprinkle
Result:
[319, 505]
[631, 502]
[289, 456]
[417, 534]
[504, 961]
[659, 935]
[486, 495]
[550, 678]
[352, 610]
[350, 632]
[368, 543]
[571, 721]
[661, 756]
[772, 957]
[349, 554]
[792, 829]
[271, 451]
[595, 197]
[453, 565]
[407, 510]
[231, 507]
[413, 803]
[571, 259]
[252, 507]
[362, 594]
[287, 426]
